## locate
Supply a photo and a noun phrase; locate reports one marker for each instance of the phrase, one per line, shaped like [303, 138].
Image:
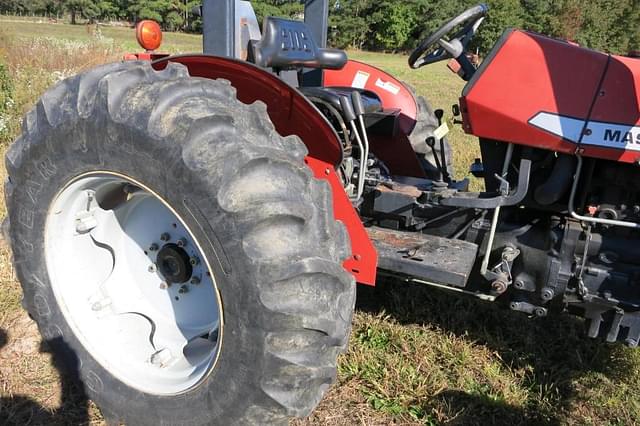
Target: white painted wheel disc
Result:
[103, 236]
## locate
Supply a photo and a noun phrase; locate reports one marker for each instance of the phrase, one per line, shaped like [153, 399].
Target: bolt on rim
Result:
[132, 282]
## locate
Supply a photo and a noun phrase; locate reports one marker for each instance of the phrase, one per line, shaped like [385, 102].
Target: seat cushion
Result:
[288, 44]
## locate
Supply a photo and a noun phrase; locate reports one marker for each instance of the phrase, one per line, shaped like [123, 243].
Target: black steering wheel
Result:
[437, 48]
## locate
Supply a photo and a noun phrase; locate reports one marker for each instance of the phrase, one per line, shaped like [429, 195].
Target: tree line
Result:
[609, 25]
[173, 15]
[390, 25]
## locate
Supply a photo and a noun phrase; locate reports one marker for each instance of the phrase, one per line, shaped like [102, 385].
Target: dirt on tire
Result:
[268, 223]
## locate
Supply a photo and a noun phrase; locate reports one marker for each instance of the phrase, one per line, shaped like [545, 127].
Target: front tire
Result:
[264, 226]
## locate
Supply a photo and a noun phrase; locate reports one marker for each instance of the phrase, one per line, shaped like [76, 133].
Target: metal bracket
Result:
[501, 272]
[473, 200]
[218, 27]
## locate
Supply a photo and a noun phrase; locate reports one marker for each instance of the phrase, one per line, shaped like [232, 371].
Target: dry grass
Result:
[416, 356]
[29, 381]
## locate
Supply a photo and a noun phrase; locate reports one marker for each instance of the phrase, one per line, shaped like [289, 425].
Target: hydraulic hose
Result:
[558, 183]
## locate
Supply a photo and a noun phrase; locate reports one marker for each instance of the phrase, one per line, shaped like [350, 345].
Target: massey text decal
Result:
[598, 133]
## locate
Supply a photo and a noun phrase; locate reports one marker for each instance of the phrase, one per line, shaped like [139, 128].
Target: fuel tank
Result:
[552, 94]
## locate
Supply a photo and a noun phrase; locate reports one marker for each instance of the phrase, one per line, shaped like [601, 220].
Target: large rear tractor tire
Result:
[177, 250]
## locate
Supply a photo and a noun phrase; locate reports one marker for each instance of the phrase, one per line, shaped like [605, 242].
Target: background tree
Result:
[284, 8]
[503, 14]
[74, 7]
[348, 23]
[391, 25]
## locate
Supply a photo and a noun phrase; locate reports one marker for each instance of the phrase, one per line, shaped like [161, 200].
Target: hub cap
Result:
[133, 284]
[173, 264]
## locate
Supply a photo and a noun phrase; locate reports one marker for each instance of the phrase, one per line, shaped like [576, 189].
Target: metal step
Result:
[425, 257]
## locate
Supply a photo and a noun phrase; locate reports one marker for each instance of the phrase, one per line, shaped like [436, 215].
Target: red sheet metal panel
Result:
[531, 74]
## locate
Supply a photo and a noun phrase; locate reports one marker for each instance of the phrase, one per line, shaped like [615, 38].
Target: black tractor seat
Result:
[287, 45]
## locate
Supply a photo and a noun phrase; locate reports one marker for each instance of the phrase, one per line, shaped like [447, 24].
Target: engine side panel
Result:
[615, 120]
[539, 91]
[612, 130]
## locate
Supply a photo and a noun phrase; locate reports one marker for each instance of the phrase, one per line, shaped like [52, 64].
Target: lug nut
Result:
[165, 236]
[181, 242]
[547, 294]
[183, 289]
[540, 312]
[163, 285]
[195, 280]
[194, 260]
[153, 247]
[152, 268]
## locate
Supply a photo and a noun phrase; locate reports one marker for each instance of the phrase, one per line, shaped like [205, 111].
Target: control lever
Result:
[443, 159]
[358, 108]
[350, 117]
[431, 143]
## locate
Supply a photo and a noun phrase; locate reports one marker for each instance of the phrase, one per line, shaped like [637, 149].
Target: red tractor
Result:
[190, 229]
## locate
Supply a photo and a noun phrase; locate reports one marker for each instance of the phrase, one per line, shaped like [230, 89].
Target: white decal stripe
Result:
[597, 133]
[613, 136]
[565, 127]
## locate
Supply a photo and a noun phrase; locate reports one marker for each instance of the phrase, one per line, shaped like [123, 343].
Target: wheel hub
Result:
[174, 264]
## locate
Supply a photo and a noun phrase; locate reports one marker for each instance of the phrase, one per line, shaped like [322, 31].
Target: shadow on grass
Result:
[21, 410]
[554, 350]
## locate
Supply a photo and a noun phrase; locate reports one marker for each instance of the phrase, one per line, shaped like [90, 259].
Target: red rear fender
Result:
[396, 152]
[292, 114]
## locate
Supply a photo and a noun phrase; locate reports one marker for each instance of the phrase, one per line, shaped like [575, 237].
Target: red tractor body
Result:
[248, 189]
[546, 93]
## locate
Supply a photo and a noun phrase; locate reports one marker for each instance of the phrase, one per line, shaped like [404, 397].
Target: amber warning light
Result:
[148, 34]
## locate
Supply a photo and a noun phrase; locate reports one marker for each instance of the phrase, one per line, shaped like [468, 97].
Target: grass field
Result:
[417, 356]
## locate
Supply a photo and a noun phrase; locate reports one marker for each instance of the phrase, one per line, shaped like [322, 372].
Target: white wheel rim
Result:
[103, 240]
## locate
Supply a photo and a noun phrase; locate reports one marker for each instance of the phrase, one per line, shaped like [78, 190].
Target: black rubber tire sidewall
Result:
[239, 348]
[98, 143]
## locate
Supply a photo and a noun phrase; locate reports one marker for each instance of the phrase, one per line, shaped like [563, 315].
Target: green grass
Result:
[420, 356]
[417, 356]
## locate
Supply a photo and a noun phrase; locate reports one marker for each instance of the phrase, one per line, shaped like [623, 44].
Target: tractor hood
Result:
[552, 94]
